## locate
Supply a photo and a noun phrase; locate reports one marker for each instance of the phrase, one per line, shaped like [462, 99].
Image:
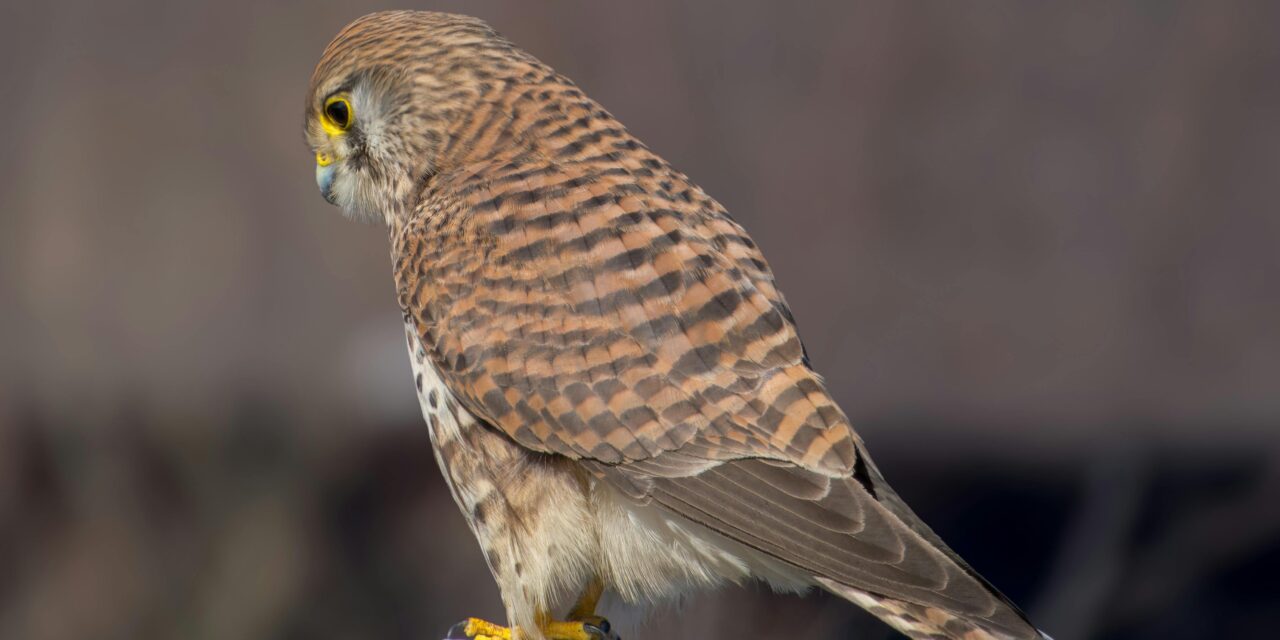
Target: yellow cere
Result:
[324, 159]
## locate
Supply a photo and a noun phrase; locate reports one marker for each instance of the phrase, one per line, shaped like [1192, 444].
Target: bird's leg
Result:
[585, 607]
[583, 612]
[583, 623]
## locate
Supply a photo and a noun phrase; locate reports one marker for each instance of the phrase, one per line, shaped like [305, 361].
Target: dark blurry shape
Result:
[1021, 231]
[1092, 554]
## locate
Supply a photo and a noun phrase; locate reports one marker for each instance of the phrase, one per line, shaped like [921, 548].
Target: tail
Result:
[923, 622]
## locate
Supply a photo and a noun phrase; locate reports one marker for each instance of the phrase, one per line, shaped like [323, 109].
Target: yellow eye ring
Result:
[337, 114]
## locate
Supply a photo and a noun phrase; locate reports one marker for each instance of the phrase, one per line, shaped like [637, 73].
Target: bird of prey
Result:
[613, 384]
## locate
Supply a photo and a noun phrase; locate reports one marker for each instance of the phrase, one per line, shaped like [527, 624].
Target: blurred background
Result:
[1034, 248]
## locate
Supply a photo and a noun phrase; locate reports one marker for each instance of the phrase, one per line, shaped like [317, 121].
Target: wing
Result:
[853, 531]
[611, 312]
[587, 310]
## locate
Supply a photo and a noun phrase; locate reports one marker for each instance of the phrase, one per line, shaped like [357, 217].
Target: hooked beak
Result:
[325, 169]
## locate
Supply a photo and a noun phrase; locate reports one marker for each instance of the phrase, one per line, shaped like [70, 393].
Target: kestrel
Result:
[613, 384]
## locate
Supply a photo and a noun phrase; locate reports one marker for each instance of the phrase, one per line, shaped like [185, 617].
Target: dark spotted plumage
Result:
[598, 343]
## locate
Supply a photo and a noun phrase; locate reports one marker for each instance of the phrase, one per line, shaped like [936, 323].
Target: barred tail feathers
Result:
[921, 622]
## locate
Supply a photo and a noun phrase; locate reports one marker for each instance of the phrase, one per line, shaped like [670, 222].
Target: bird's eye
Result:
[337, 113]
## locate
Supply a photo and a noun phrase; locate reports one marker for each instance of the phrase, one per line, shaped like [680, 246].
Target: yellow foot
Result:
[592, 628]
[478, 629]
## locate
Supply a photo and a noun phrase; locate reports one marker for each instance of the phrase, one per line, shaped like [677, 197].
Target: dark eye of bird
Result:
[339, 113]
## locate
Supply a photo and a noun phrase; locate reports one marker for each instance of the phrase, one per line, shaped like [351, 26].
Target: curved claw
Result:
[457, 632]
[600, 629]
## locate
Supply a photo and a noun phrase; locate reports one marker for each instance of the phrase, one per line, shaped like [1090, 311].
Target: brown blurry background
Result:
[1033, 248]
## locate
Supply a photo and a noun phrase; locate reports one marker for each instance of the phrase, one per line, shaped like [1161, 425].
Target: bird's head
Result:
[386, 100]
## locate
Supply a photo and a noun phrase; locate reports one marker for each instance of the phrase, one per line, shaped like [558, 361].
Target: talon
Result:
[597, 625]
[602, 631]
[457, 632]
